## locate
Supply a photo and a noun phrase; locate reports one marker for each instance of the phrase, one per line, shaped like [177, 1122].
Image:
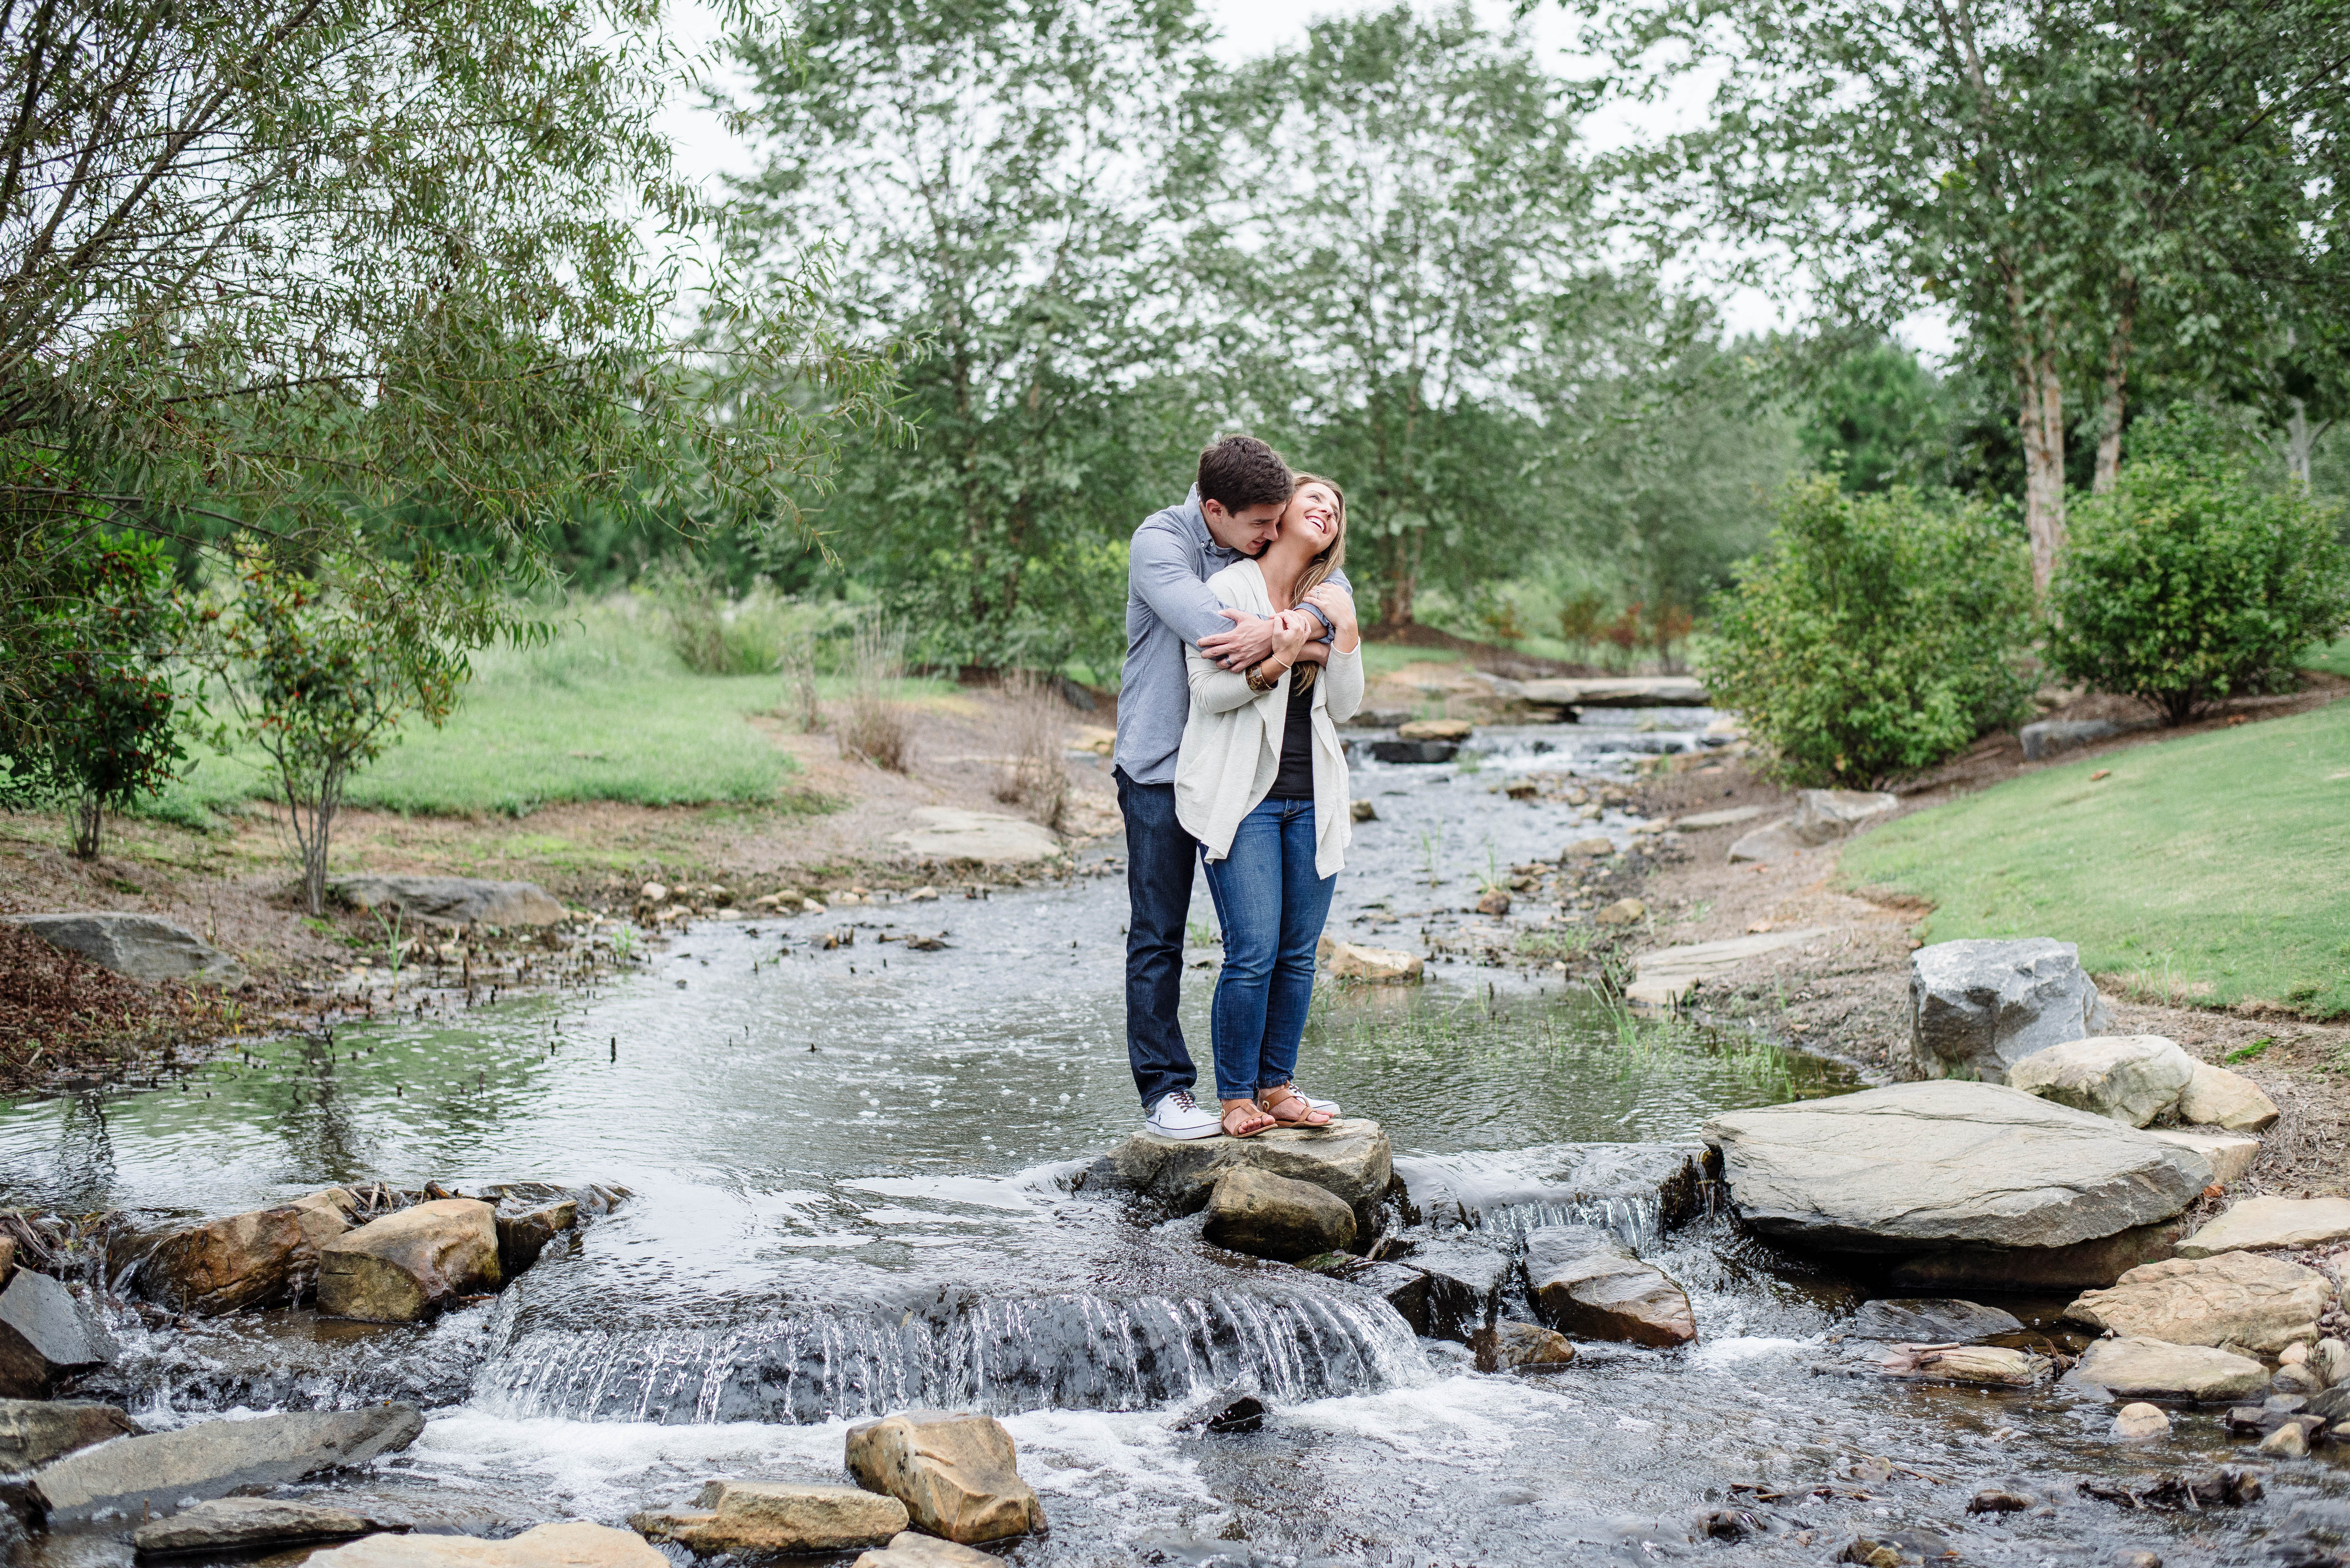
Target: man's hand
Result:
[1246, 646]
[1339, 605]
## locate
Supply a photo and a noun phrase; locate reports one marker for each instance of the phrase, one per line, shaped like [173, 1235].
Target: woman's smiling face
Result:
[1313, 512]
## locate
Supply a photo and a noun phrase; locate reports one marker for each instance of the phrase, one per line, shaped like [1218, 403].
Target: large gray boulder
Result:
[150, 1474]
[1977, 1008]
[1822, 816]
[34, 1431]
[1350, 1158]
[452, 900]
[46, 1337]
[229, 1525]
[144, 947]
[2136, 1079]
[1915, 1168]
[1587, 1282]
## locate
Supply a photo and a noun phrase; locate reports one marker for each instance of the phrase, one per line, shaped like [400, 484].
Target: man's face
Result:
[1249, 530]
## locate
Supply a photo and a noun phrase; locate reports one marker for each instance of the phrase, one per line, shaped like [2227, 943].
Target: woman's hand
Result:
[1291, 629]
[1339, 605]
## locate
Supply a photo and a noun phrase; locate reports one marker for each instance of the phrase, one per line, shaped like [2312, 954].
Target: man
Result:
[1233, 510]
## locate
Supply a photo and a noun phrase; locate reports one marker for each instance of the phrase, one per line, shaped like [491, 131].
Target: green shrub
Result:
[2188, 583]
[1874, 635]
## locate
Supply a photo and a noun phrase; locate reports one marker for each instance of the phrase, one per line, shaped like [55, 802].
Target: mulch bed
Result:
[62, 1016]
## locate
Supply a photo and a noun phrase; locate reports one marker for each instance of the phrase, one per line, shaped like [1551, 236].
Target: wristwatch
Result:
[1263, 677]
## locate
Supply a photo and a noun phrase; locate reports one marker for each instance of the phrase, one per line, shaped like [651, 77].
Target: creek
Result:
[854, 1189]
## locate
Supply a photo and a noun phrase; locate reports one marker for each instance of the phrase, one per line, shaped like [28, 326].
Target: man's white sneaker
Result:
[1178, 1114]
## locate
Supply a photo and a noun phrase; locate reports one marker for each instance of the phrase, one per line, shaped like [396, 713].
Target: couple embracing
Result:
[1243, 657]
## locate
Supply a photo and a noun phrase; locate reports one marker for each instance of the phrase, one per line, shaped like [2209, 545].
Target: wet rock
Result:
[2155, 1369]
[2331, 1361]
[1930, 1321]
[1363, 811]
[2084, 1265]
[1350, 1158]
[911, 1550]
[1509, 1346]
[1587, 1282]
[326, 1215]
[1918, 1166]
[1464, 1286]
[956, 1472]
[34, 1431]
[2140, 1421]
[140, 946]
[1493, 904]
[1640, 1185]
[766, 1517]
[2289, 1441]
[46, 1337]
[2334, 1404]
[1998, 1500]
[2211, 1489]
[1238, 1409]
[232, 1525]
[1268, 1216]
[1414, 752]
[2258, 1303]
[1406, 1290]
[452, 900]
[2271, 1222]
[522, 1237]
[1436, 730]
[1977, 1007]
[409, 1265]
[1372, 966]
[1903, 1549]
[263, 1258]
[2230, 1155]
[572, 1544]
[2217, 1097]
[153, 1472]
[1591, 849]
[1622, 912]
[1984, 1365]
[2131, 1078]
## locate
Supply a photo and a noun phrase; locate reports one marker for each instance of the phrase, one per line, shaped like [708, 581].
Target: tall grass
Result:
[1035, 771]
[877, 726]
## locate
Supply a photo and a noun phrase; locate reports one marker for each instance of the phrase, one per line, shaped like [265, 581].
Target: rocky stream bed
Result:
[1564, 1288]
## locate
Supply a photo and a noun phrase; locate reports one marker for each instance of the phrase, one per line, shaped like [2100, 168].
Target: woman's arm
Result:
[1344, 679]
[1215, 689]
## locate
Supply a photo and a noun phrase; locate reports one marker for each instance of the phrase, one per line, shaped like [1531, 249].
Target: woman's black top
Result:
[1295, 779]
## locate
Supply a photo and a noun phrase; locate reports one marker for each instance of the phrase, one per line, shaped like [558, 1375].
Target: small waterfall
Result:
[1637, 1218]
[1066, 1352]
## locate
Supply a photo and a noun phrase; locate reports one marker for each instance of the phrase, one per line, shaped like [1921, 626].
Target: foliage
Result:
[349, 270]
[321, 665]
[1875, 635]
[1877, 418]
[1408, 288]
[2092, 188]
[2189, 583]
[2204, 869]
[991, 169]
[99, 723]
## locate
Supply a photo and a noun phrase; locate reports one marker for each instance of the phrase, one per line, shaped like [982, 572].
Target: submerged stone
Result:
[1509, 1346]
[1930, 1321]
[913, 1550]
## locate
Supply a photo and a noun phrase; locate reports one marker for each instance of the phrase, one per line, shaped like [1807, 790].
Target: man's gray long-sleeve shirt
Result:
[1167, 605]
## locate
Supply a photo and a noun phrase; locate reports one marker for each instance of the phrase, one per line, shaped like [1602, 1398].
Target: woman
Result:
[1261, 781]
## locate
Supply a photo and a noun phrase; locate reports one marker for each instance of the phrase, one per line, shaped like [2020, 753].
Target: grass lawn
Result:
[2333, 658]
[2213, 868]
[604, 713]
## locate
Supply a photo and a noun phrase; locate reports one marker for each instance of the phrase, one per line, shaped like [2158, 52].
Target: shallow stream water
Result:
[853, 1177]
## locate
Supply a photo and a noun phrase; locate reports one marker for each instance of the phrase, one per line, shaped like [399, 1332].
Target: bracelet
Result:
[1260, 680]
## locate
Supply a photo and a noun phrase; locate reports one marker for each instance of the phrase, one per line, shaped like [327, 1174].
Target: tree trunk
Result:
[2042, 422]
[2298, 441]
[2109, 419]
[86, 816]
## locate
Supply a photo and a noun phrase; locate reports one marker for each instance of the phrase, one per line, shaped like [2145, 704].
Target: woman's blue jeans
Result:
[1272, 907]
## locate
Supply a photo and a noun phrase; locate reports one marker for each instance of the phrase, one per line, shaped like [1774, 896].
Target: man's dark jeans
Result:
[1160, 857]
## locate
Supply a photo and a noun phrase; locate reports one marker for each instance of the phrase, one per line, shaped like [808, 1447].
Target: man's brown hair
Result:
[1240, 472]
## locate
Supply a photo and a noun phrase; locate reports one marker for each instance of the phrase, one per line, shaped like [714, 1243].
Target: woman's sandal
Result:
[1290, 1109]
[1245, 1110]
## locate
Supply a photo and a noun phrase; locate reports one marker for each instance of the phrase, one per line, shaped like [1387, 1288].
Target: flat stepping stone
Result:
[949, 833]
[1350, 1158]
[2141, 1369]
[1662, 977]
[2270, 1221]
[2231, 1153]
[1915, 1168]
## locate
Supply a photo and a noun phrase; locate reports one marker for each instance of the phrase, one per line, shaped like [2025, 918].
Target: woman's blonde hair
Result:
[1328, 559]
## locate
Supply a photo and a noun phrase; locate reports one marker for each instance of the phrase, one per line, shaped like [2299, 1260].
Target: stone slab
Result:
[235, 1524]
[1662, 976]
[153, 1472]
[144, 947]
[452, 900]
[2230, 1154]
[1728, 816]
[1350, 1158]
[2271, 1222]
[1911, 1168]
[571, 1545]
[949, 833]
[2246, 1298]
[1930, 1321]
[1620, 691]
[2153, 1369]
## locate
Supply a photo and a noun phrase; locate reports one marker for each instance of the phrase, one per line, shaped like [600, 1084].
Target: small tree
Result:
[321, 667]
[97, 728]
[2188, 584]
[1874, 634]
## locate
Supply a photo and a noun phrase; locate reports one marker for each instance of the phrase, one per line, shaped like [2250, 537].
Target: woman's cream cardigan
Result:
[1231, 743]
